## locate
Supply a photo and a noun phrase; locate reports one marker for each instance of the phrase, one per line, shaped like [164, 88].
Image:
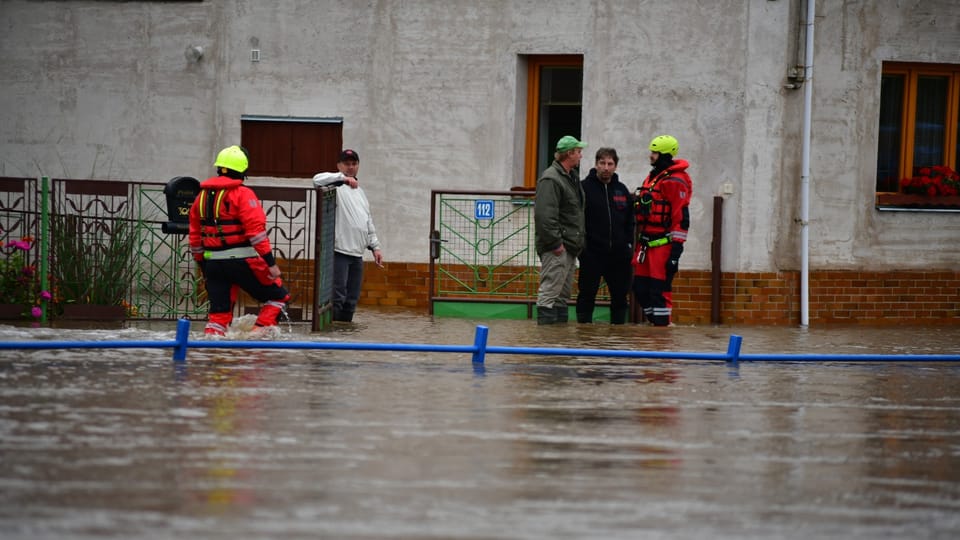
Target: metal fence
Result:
[164, 281]
[20, 212]
[479, 350]
[483, 261]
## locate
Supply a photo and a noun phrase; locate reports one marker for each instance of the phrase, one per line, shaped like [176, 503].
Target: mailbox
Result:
[180, 193]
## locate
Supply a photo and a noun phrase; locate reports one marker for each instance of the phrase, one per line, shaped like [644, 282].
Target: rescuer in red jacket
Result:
[228, 239]
[663, 218]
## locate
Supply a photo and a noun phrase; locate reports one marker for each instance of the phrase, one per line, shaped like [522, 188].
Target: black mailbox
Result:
[180, 192]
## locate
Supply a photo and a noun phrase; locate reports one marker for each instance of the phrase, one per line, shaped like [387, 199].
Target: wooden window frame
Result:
[912, 73]
[534, 64]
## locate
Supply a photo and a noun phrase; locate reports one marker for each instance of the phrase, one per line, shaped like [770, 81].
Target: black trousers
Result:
[616, 271]
[221, 276]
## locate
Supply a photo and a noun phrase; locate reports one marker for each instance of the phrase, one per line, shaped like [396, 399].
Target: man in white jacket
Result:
[355, 234]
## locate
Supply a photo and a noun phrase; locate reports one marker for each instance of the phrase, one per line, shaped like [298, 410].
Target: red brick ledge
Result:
[751, 298]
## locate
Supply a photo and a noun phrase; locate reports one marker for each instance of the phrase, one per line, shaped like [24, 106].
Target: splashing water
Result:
[244, 328]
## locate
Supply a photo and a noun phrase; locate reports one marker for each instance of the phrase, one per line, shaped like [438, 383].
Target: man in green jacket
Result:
[559, 223]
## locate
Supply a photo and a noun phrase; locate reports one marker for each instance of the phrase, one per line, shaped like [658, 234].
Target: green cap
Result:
[568, 142]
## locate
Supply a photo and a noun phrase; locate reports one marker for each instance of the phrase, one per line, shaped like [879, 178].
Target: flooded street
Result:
[363, 445]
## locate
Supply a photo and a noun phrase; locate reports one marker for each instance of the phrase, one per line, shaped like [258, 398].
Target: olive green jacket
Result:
[558, 210]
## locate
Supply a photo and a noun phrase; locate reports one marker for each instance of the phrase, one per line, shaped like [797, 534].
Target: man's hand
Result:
[351, 181]
[274, 272]
[559, 251]
[378, 257]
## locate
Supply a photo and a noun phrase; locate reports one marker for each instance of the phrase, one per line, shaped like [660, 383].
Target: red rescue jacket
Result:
[668, 212]
[227, 214]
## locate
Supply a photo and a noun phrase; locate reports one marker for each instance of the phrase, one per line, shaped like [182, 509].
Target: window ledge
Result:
[900, 202]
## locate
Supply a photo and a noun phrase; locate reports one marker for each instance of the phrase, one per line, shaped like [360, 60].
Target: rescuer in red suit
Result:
[228, 239]
[663, 218]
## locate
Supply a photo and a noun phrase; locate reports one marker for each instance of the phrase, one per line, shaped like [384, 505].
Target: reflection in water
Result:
[326, 444]
[231, 406]
[556, 405]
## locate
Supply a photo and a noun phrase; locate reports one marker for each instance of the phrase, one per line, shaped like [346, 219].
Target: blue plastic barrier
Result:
[478, 350]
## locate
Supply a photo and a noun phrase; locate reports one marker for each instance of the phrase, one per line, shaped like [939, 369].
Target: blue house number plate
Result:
[483, 209]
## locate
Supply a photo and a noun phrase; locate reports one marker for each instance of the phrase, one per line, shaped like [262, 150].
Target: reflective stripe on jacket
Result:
[227, 214]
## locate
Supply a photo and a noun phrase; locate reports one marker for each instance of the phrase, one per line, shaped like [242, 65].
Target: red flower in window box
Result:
[936, 181]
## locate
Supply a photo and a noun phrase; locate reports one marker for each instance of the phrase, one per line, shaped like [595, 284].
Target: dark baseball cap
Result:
[349, 155]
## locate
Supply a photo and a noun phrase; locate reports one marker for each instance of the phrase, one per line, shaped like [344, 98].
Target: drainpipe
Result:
[805, 168]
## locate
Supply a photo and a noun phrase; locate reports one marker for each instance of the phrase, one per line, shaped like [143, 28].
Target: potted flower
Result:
[20, 294]
[936, 181]
[932, 187]
[92, 266]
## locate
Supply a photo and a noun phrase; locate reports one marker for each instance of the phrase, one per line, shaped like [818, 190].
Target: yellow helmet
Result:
[665, 144]
[233, 158]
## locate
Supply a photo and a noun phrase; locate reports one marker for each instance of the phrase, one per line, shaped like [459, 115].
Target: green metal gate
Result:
[482, 257]
[483, 262]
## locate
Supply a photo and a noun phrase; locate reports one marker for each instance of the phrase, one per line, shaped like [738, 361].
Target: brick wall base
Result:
[836, 297]
[762, 298]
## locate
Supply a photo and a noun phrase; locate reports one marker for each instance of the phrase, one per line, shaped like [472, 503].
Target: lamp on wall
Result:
[193, 53]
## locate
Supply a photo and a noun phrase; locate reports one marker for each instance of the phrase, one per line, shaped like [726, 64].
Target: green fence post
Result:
[44, 243]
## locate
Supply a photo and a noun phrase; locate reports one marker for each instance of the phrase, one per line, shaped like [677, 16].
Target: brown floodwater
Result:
[262, 443]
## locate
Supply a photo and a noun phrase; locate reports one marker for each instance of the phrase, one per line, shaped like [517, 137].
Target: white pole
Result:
[805, 168]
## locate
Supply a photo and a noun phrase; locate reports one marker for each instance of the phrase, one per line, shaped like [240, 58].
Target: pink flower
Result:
[45, 295]
[36, 312]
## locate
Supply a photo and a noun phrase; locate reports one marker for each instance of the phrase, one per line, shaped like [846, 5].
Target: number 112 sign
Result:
[483, 209]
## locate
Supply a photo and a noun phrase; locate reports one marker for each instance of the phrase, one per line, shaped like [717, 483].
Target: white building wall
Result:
[432, 96]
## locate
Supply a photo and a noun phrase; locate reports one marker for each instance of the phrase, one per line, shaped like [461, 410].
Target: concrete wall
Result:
[432, 96]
